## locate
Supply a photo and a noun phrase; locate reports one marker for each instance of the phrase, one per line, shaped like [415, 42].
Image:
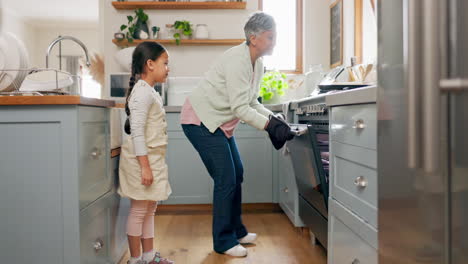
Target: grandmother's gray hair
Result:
[258, 23]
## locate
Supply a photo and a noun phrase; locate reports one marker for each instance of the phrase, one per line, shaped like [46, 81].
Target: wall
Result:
[37, 37]
[14, 23]
[369, 34]
[45, 34]
[195, 60]
[316, 33]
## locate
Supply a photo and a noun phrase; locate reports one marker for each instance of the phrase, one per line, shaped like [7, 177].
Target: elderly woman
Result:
[228, 94]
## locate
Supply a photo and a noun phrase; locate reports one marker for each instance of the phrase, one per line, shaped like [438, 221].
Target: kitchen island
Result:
[57, 191]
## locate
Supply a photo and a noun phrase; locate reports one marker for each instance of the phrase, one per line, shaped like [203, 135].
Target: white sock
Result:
[133, 260]
[148, 256]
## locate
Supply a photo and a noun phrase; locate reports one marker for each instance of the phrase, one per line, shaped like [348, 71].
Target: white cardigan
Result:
[229, 90]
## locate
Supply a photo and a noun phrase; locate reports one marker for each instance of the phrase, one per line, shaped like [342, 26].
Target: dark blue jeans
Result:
[221, 158]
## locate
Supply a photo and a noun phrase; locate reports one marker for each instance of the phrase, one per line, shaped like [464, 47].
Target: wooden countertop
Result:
[55, 100]
[178, 108]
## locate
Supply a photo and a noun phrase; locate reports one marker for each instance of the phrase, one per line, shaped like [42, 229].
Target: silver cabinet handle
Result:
[356, 261]
[413, 80]
[359, 124]
[95, 153]
[286, 190]
[454, 85]
[98, 245]
[431, 77]
[360, 182]
[423, 79]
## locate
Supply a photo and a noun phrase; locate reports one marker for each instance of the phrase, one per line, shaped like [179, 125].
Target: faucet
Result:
[60, 38]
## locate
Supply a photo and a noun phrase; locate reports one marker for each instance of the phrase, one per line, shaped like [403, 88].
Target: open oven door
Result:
[309, 155]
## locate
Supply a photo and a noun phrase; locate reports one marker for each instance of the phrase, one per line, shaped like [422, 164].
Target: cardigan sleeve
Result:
[139, 104]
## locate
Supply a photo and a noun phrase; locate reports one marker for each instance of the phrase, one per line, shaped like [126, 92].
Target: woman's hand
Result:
[146, 172]
[146, 176]
[266, 124]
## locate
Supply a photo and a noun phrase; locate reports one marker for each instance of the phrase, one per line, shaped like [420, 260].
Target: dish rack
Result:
[17, 85]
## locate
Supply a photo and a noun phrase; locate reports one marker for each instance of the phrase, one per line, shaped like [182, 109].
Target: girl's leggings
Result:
[141, 219]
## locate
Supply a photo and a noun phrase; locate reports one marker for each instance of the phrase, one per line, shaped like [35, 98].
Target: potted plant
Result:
[155, 31]
[137, 27]
[273, 85]
[182, 28]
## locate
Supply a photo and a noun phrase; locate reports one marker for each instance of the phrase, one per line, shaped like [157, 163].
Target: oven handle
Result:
[298, 133]
[298, 130]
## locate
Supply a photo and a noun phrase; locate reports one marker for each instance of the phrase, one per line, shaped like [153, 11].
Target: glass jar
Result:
[201, 31]
[169, 31]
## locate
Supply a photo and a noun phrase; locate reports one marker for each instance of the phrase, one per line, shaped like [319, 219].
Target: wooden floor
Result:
[186, 239]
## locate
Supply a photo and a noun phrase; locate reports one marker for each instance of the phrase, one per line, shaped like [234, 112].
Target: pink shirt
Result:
[189, 117]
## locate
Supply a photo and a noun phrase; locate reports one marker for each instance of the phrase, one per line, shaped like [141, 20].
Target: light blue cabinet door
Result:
[31, 192]
[288, 193]
[119, 215]
[189, 179]
[256, 153]
[93, 142]
[95, 230]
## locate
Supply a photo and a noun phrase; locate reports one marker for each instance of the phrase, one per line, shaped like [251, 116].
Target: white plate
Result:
[24, 60]
[8, 45]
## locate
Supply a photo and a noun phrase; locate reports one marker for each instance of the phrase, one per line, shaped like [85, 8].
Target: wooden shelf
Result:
[183, 42]
[178, 5]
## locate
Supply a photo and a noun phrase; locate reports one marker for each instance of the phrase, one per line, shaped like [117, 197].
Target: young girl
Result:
[143, 170]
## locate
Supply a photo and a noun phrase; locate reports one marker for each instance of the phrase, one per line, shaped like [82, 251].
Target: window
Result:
[287, 55]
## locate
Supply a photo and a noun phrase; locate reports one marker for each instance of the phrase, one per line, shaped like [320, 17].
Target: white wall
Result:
[14, 23]
[37, 37]
[45, 34]
[316, 33]
[369, 34]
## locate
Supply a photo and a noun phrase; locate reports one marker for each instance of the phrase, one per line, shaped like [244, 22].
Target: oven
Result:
[309, 151]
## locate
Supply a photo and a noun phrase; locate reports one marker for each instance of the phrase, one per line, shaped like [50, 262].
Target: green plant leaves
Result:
[184, 27]
[132, 21]
[273, 83]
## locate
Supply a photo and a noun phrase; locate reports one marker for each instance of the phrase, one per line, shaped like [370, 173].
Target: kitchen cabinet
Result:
[119, 213]
[57, 193]
[256, 153]
[288, 193]
[190, 181]
[353, 184]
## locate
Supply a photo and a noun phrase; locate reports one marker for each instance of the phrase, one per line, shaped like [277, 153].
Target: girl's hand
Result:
[146, 173]
[146, 176]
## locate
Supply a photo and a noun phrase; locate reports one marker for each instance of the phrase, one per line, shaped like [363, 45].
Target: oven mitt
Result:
[279, 131]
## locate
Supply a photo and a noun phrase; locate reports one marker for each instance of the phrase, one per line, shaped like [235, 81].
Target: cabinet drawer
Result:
[355, 125]
[354, 179]
[95, 223]
[346, 245]
[93, 154]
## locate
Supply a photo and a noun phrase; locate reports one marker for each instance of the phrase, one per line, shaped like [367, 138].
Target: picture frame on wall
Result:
[336, 33]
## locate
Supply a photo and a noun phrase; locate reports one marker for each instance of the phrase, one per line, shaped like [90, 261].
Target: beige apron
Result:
[156, 141]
